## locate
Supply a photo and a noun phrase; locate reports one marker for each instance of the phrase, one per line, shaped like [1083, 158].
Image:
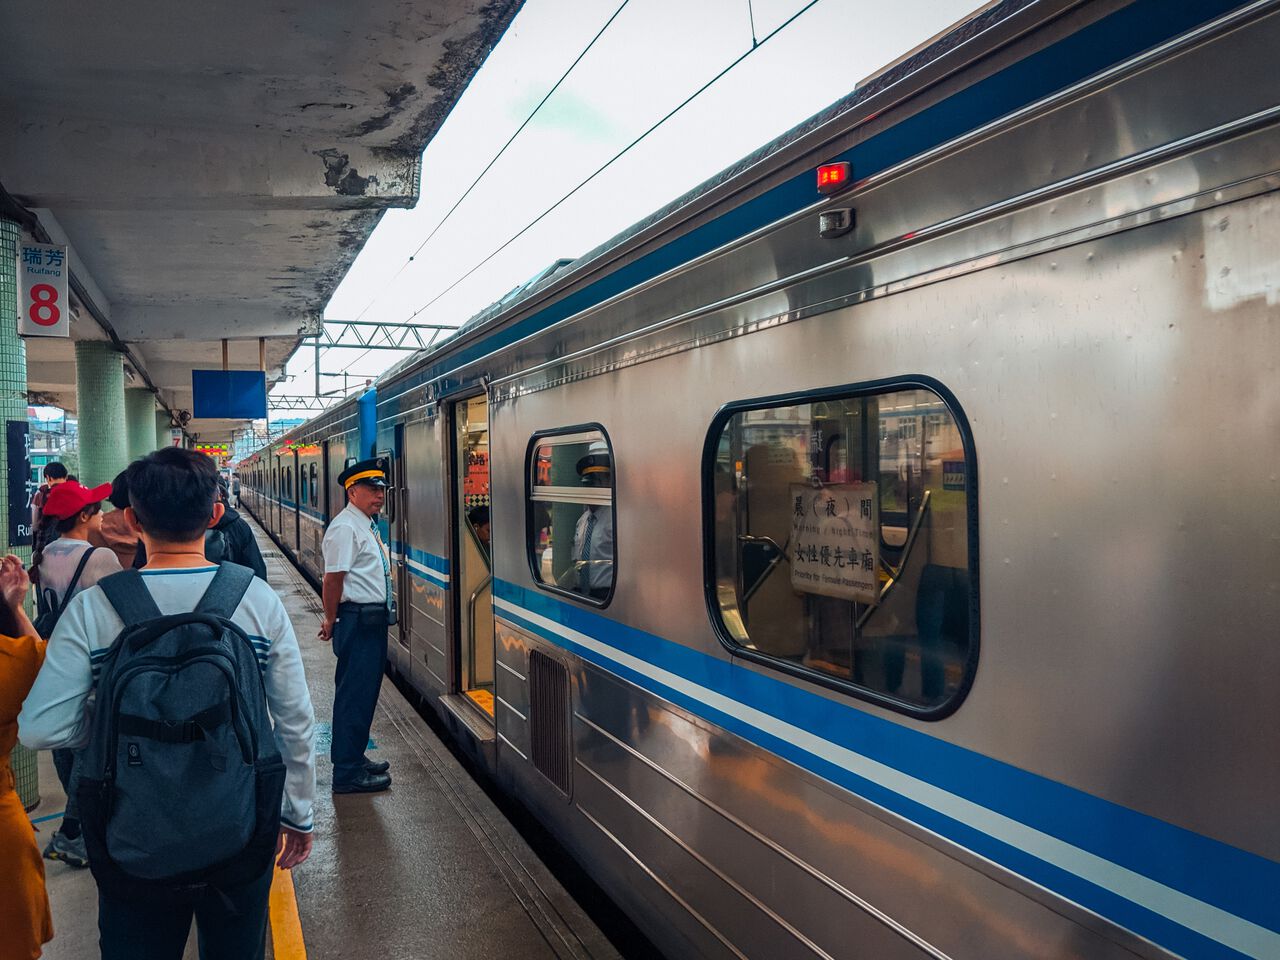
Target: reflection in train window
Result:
[842, 544]
[571, 513]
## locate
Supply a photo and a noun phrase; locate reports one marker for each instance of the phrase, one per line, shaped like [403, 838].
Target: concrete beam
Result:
[51, 375]
[207, 320]
[82, 164]
[175, 378]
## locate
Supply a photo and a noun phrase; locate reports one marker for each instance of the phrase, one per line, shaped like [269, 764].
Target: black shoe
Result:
[376, 766]
[365, 783]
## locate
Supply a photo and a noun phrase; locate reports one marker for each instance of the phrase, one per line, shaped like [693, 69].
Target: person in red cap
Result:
[63, 563]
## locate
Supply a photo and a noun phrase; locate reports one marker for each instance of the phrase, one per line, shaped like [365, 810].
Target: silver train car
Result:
[855, 587]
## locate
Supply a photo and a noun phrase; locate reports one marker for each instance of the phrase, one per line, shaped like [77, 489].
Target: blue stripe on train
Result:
[1232, 879]
[1111, 40]
[429, 560]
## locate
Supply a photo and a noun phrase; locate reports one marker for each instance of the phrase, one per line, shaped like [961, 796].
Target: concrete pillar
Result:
[104, 445]
[139, 412]
[13, 367]
[162, 429]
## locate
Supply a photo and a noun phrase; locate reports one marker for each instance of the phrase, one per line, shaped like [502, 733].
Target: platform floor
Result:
[429, 869]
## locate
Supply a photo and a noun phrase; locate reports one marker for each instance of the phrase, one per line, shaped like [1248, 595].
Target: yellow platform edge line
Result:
[286, 927]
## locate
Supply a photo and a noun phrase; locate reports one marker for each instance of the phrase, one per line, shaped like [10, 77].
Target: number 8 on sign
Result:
[44, 305]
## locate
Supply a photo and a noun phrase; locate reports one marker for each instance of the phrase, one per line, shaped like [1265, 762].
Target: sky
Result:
[653, 55]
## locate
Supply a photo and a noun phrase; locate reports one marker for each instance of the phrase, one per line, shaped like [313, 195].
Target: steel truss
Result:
[371, 335]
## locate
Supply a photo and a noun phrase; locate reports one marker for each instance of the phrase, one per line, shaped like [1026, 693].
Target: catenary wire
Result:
[608, 163]
[617, 156]
[497, 156]
[487, 167]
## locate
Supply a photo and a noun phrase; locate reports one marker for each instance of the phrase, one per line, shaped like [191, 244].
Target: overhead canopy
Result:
[215, 168]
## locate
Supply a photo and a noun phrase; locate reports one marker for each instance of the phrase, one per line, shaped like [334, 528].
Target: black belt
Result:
[360, 607]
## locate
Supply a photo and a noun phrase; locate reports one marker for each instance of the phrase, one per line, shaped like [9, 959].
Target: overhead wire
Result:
[487, 167]
[617, 156]
[756, 44]
[503, 149]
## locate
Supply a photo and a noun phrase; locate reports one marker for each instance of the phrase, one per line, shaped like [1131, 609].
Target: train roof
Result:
[986, 30]
[910, 72]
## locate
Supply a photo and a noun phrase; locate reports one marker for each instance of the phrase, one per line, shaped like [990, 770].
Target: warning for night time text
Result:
[835, 540]
[43, 310]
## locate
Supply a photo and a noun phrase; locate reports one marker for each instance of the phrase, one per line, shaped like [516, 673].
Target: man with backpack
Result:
[183, 684]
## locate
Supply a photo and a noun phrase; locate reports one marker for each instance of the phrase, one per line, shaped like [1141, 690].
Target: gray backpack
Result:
[181, 780]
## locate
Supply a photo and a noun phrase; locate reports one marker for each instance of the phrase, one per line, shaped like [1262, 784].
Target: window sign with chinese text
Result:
[835, 540]
[43, 310]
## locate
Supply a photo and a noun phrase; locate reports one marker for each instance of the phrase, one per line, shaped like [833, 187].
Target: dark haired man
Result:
[54, 474]
[230, 540]
[116, 533]
[172, 501]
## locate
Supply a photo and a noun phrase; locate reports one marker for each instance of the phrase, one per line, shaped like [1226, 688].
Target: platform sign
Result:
[953, 474]
[835, 540]
[175, 436]
[21, 488]
[229, 394]
[220, 452]
[43, 310]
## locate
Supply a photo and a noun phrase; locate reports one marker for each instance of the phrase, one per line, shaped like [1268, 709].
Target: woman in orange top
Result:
[24, 904]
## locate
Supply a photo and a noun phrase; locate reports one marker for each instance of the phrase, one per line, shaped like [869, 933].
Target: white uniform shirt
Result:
[352, 547]
[593, 559]
[59, 708]
[59, 560]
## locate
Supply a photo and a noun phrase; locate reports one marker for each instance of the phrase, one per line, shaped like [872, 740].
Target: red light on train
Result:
[832, 176]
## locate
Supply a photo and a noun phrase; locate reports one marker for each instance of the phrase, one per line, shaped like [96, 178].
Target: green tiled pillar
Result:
[139, 412]
[104, 445]
[13, 365]
[162, 429]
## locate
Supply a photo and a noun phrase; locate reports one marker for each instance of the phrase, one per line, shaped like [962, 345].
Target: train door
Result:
[323, 494]
[291, 531]
[275, 511]
[472, 577]
[400, 539]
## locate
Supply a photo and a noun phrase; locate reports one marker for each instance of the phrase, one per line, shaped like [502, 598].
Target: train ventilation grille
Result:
[549, 719]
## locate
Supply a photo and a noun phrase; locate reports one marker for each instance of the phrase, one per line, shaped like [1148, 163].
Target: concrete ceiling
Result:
[215, 168]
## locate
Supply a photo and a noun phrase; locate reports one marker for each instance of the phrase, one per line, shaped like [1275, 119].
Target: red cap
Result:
[69, 498]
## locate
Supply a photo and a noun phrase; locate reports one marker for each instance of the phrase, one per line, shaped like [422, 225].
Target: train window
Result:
[841, 541]
[570, 512]
[315, 490]
[304, 494]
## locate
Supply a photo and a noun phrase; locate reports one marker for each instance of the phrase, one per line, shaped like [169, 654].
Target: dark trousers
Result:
[360, 641]
[230, 925]
[64, 762]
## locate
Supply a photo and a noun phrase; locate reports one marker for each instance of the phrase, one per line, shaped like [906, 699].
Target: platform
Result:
[428, 869]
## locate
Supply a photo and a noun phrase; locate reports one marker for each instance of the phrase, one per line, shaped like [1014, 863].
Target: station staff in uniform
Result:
[593, 533]
[359, 605]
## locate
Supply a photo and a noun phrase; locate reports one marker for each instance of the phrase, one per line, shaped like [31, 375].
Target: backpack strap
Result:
[130, 597]
[227, 590]
[75, 579]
